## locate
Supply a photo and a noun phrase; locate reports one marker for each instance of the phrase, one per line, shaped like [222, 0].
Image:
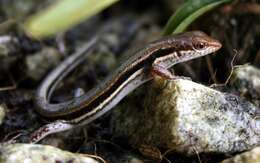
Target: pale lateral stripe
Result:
[134, 81]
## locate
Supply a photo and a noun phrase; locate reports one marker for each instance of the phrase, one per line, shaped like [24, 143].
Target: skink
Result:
[154, 59]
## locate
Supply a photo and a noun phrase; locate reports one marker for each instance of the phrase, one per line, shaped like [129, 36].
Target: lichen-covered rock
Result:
[9, 51]
[35, 67]
[246, 80]
[252, 156]
[8, 45]
[20, 153]
[186, 117]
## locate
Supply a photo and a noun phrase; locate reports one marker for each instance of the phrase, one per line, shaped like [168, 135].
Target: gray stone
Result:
[8, 45]
[20, 153]
[252, 156]
[246, 80]
[187, 117]
[39, 63]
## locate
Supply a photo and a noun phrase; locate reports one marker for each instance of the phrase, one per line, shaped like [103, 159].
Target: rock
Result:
[252, 156]
[246, 80]
[187, 117]
[9, 51]
[20, 153]
[8, 46]
[35, 67]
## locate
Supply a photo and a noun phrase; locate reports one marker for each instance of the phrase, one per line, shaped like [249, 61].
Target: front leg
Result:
[160, 68]
[162, 72]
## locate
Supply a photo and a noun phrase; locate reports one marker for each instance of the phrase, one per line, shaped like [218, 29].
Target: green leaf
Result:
[189, 12]
[63, 15]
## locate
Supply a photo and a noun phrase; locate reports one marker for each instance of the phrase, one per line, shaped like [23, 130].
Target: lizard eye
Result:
[199, 45]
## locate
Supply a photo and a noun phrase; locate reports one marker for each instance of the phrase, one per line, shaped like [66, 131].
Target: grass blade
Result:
[63, 15]
[189, 12]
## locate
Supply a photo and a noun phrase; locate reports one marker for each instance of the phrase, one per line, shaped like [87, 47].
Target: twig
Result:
[231, 71]
[11, 87]
[232, 67]
[93, 156]
[211, 70]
